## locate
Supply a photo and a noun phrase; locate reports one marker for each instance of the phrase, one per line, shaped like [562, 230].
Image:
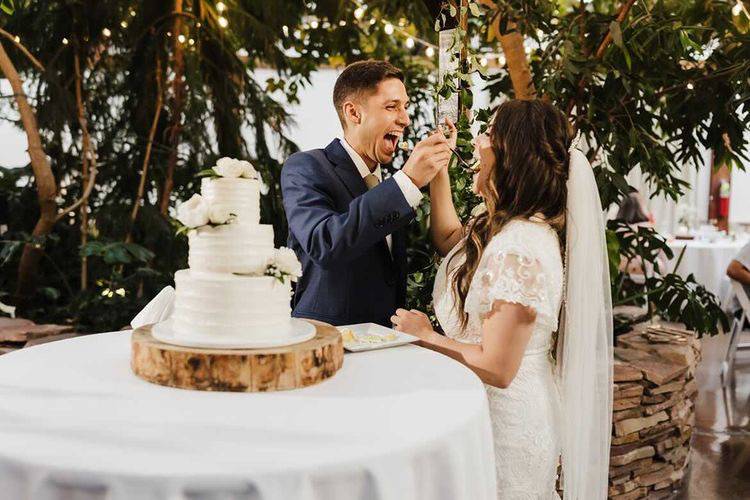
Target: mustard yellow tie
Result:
[371, 181]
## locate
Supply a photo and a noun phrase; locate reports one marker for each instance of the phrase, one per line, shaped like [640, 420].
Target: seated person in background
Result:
[739, 268]
[633, 211]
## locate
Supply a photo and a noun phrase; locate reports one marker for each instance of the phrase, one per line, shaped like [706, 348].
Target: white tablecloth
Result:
[706, 261]
[398, 423]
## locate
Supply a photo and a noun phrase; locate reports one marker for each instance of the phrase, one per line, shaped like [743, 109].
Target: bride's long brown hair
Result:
[530, 141]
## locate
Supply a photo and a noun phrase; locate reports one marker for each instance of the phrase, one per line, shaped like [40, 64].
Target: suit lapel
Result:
[347, 172]
[344, 168]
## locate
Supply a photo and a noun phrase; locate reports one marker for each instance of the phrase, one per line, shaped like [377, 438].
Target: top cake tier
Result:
[237, 195]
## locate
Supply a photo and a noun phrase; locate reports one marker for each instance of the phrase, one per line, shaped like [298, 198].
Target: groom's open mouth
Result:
[391, 140]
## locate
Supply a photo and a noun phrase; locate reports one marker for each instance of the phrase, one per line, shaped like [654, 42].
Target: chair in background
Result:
[727, 366]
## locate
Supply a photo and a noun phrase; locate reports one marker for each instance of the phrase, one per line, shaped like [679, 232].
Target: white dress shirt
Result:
[411, 192]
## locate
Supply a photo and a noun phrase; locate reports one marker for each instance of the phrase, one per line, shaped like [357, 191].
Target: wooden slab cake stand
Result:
[238, 370]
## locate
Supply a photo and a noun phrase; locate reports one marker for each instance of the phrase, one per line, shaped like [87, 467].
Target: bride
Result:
[537, 332]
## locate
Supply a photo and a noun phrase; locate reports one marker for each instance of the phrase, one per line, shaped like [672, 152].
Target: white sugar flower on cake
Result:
[234, 168]
[284, 265]
[193, 212]
[198, 212]
[229, 167]
[219, 215]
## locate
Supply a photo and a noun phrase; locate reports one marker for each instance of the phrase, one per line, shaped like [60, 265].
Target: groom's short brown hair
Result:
[361, 77]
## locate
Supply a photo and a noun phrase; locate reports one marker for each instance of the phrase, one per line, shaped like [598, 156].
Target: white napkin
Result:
[156, 311]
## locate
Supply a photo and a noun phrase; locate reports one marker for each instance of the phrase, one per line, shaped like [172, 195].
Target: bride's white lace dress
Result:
[521, 264]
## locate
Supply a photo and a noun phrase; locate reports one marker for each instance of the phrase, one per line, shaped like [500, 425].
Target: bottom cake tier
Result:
[229, 305]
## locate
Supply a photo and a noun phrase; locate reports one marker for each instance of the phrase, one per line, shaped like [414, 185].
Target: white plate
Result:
[378, 330]
[294, 332]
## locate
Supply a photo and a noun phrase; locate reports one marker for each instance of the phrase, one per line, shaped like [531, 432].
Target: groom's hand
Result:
[429, 157]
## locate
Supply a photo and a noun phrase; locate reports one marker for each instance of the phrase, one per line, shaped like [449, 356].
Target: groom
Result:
[346, 223]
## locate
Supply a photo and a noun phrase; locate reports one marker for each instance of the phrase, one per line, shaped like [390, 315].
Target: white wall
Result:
[13, 142]
[739, 202]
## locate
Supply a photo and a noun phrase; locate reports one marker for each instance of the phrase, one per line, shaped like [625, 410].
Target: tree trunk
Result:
[178, 97]
[515, 55]
[146, 155]
[46, 186]
[87, 158]
[517, 63]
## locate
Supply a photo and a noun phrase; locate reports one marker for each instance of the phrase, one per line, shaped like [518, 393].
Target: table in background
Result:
[398, 423]
[707, 261]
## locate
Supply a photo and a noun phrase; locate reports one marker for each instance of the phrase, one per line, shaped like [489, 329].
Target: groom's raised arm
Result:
[328, 236]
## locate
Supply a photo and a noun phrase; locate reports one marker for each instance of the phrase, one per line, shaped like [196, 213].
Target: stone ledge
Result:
[653, 411]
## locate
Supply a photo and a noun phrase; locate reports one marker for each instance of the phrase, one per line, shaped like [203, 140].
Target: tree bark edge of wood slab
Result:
[238, 370]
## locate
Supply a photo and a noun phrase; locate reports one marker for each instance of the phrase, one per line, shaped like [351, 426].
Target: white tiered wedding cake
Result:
[237, 290]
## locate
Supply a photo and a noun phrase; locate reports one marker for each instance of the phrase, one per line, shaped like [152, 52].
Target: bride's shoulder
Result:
[526, 230]
[525, 237]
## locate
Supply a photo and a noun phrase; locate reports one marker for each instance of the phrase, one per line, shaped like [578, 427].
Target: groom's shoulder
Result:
[312, 159]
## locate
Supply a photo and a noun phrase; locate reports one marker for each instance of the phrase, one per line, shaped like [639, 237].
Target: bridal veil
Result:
[584, 351]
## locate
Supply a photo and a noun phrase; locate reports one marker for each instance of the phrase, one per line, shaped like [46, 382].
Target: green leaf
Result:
[616, 32]
[140, 253]
[475, 10]
[49, 292]
[116, 254]
[209, 172]
[626, 53]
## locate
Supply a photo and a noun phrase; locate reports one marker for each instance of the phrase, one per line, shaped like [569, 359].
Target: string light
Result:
[483, 61]
[223, 22]
[65, 41]
[124, 24]
[181, 38]
[191, 42]
[501, 60]
[359, 12]
[220, 7]
[342, 23]
[106, 32]
[132, 13]
[690, 86]
[410, 42]
[388, 28]
[430, 52]
[17, 39]
[314, 24]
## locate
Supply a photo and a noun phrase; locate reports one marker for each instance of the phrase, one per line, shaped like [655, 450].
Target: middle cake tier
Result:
[231, 248]
[210, 304]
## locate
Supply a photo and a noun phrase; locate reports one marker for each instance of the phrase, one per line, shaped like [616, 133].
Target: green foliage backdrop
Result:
[647, 83]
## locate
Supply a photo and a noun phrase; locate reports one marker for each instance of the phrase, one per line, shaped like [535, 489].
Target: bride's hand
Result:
[450, 131]
[413, 322]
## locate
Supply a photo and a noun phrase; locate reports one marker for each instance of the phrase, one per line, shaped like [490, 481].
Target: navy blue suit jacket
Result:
[337, 228]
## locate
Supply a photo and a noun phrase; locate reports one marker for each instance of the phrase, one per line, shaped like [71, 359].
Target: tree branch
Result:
[147, 154]
[89, 169]
[608, 38]
[23, 49]
[621, 15]
[516, 59]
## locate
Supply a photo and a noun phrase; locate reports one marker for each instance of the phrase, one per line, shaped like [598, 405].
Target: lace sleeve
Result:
[510, 275]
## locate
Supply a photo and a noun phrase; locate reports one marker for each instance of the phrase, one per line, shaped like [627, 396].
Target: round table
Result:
[707, 261]
[396, 423]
